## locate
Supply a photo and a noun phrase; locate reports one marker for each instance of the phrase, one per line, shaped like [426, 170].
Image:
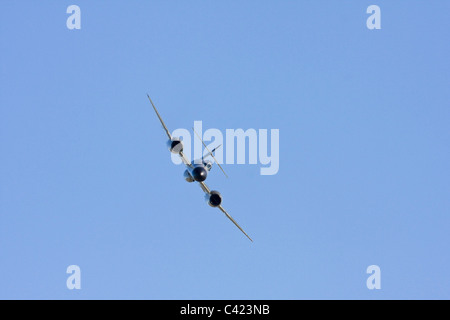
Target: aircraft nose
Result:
[199, 174]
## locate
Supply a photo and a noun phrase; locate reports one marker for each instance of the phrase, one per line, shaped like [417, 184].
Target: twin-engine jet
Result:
[197, 171]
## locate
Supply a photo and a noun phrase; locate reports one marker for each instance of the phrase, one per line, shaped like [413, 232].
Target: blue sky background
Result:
[86, 178]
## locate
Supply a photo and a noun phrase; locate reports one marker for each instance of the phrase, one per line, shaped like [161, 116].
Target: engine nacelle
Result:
[187, 176]
[175, 145]
[214, 199]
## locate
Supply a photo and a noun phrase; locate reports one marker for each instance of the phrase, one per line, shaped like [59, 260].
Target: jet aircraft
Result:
[198, 170]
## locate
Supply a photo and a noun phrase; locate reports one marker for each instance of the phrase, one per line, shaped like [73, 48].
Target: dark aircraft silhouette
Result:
[197, 171]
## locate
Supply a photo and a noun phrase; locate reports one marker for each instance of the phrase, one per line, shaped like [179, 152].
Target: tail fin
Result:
[210, 153]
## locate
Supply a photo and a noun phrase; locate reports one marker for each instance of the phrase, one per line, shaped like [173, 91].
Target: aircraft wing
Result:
[160, 119]
[206, 189]
[183, 157]
[185, 160]
[232, 220]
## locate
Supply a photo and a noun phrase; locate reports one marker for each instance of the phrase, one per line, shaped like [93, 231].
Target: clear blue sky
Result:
[86, 179]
